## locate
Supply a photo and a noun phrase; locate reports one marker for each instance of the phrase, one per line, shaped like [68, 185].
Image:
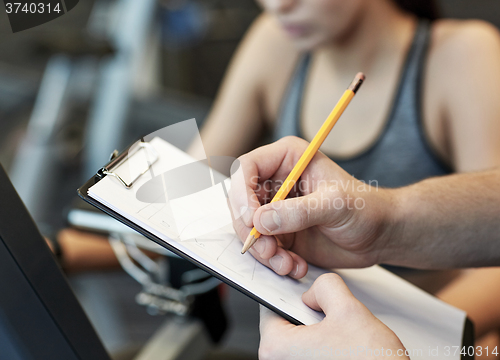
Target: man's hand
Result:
[349, 329]
[329, 219]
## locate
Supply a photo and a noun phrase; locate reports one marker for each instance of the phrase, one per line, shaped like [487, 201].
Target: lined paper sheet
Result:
[200, 226]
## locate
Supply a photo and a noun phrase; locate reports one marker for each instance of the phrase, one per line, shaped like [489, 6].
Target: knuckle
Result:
[293, 141]
[287, 139]
[330, 279]
[335, 278]
[242, 159]
[301, 214]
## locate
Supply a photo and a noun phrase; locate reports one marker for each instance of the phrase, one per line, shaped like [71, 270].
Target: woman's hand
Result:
[329, 219]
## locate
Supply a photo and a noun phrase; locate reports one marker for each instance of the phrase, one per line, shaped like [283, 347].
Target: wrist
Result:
[392, 249]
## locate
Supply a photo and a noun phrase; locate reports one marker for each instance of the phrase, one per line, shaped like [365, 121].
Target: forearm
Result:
[83, 251]
[447, 222]
[477, 293]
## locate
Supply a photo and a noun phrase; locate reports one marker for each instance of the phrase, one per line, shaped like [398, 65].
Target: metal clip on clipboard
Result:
[118, 160]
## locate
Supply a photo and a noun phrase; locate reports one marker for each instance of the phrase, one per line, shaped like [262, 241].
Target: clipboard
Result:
[117, 159]
[353, 278]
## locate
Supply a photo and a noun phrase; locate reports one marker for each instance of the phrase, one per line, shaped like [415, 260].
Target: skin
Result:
[481, 281]
[429, 225]
[348, 323]
[445, 222]
[305, 228]
[84, 251]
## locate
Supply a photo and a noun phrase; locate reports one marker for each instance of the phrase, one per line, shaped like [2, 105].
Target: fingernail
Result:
[276, 262]
[260, 246]
[270, 220]
[245, 214]
[296, 270]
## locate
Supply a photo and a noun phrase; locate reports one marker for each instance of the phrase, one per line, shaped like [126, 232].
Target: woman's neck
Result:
[380, 30]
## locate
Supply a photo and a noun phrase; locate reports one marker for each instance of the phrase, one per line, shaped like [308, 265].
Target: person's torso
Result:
[393, 150]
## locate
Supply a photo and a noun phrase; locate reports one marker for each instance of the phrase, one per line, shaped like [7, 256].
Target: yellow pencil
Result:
[310, 151]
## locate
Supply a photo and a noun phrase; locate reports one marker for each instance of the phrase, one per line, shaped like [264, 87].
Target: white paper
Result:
[420, 320]
[200, 226]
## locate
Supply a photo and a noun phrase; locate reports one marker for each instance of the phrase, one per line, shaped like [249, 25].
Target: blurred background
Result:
[96, 79]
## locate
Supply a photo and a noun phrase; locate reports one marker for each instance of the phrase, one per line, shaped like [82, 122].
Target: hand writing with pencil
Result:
[332, 220]
[329, 219]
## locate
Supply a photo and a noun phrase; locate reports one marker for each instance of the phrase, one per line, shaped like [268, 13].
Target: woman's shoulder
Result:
[463, 74]
[461, 54]
[449, 29]
[456, 40]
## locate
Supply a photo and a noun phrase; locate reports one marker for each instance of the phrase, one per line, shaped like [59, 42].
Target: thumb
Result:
[329, 293]
[295, 214]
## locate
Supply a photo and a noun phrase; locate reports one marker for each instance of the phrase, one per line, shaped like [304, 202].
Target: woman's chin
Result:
[306, 43]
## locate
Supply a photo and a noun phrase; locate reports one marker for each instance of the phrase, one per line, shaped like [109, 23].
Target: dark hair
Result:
[428, 9]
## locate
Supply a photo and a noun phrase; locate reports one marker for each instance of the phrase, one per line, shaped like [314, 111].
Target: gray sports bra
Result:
[401, 155]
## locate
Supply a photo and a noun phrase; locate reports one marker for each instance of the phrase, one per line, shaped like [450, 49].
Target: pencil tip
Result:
[248, 243]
